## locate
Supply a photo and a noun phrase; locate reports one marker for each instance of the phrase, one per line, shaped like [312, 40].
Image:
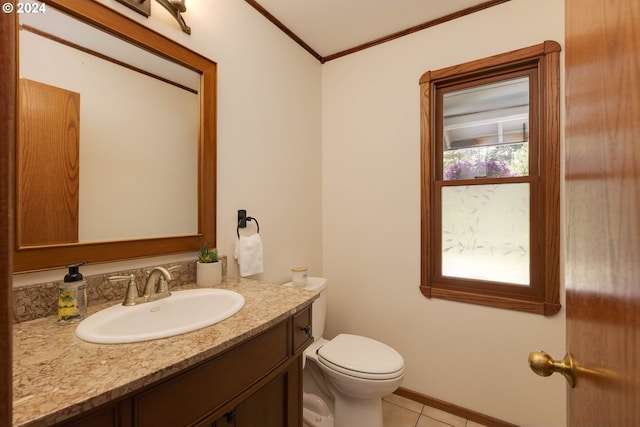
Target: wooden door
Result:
[7, 135]
[603, 210]
[48, 164]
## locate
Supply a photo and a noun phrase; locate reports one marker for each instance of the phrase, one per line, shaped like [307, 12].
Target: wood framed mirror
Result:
[33, 255]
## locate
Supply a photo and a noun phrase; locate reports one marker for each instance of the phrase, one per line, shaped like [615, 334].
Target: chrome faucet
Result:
[157, 284]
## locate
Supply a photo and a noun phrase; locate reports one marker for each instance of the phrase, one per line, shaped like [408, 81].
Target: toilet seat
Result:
[361, 357]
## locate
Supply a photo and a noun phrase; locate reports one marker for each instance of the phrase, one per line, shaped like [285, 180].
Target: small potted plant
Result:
[208, 268]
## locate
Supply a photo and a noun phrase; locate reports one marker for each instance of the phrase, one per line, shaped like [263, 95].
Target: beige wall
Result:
[472, 356]
[327, 158]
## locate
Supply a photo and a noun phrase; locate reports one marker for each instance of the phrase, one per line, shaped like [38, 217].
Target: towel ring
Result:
[247, 218]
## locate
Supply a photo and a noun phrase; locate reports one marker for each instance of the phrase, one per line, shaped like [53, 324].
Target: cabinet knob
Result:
[306, 329]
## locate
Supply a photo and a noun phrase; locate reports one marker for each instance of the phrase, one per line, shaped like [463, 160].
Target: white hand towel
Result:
[248, 252]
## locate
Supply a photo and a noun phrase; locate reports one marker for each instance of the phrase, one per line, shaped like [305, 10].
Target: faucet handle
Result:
[163, 288]
[117, 278]
[153, 292]
[131, 297]
[163, 284]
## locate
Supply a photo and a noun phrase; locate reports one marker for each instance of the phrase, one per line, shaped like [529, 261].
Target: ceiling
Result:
[333, 28]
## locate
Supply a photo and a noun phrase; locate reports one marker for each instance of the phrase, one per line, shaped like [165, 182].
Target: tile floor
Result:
[399, 411]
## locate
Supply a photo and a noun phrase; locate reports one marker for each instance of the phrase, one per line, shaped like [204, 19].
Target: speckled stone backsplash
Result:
[40, 300]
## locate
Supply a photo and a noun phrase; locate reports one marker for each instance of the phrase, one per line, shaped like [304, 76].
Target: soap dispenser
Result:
[72, 296]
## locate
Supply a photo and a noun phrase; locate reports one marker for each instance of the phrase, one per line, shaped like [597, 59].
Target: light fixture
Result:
[175, 7]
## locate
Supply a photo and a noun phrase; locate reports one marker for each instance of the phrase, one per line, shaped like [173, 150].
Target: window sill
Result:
[509, 303]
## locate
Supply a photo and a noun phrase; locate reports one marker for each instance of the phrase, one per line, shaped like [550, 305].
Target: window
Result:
[490, 152]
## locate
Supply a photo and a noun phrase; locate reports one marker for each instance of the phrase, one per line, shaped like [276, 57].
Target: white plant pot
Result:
[208, 274]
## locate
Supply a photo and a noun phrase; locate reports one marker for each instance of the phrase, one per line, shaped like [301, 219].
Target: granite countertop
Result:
[56, 375]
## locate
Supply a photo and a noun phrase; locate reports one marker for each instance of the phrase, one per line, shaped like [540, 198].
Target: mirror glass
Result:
[115, 146]
[138, 119]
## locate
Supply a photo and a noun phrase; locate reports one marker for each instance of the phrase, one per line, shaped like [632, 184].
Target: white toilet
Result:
[345, 378]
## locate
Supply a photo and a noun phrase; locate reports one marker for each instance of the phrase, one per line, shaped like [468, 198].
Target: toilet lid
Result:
[361, 357]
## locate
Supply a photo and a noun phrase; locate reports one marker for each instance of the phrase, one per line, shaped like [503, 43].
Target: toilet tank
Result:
[319, 306]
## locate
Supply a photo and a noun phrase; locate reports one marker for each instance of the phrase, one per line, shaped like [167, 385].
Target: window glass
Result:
[485, 232]
[485, 130]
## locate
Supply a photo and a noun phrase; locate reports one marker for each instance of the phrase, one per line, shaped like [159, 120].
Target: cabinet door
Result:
[277, 404]
[116, 414]
[227, 420]
[265, 408]
[187, 397]
[104, 418]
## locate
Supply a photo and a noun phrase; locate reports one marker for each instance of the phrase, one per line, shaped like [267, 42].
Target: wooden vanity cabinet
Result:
[266, 407]
[257, 383]
[302, 336]
[115, 414]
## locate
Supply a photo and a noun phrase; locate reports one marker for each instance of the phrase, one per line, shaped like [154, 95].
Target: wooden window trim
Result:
[543, 296]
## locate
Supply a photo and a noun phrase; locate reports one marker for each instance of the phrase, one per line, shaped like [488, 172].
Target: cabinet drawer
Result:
[302, 332]
[197, 392]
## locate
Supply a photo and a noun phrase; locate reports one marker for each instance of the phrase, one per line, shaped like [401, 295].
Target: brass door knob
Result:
[542, 364]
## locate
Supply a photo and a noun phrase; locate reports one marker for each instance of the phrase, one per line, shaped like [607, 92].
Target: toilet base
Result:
[311, 419]
[350, 412]
[315, 412]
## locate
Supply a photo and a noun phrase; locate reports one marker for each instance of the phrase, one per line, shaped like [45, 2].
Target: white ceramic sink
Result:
[183, 311]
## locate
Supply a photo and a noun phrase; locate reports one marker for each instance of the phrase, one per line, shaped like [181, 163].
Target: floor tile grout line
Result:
[431, 418]
[405, 408]
[398, 404]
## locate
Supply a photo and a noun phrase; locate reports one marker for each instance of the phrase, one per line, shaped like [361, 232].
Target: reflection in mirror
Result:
[134, 172]
[149, 121]
[485, 130]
